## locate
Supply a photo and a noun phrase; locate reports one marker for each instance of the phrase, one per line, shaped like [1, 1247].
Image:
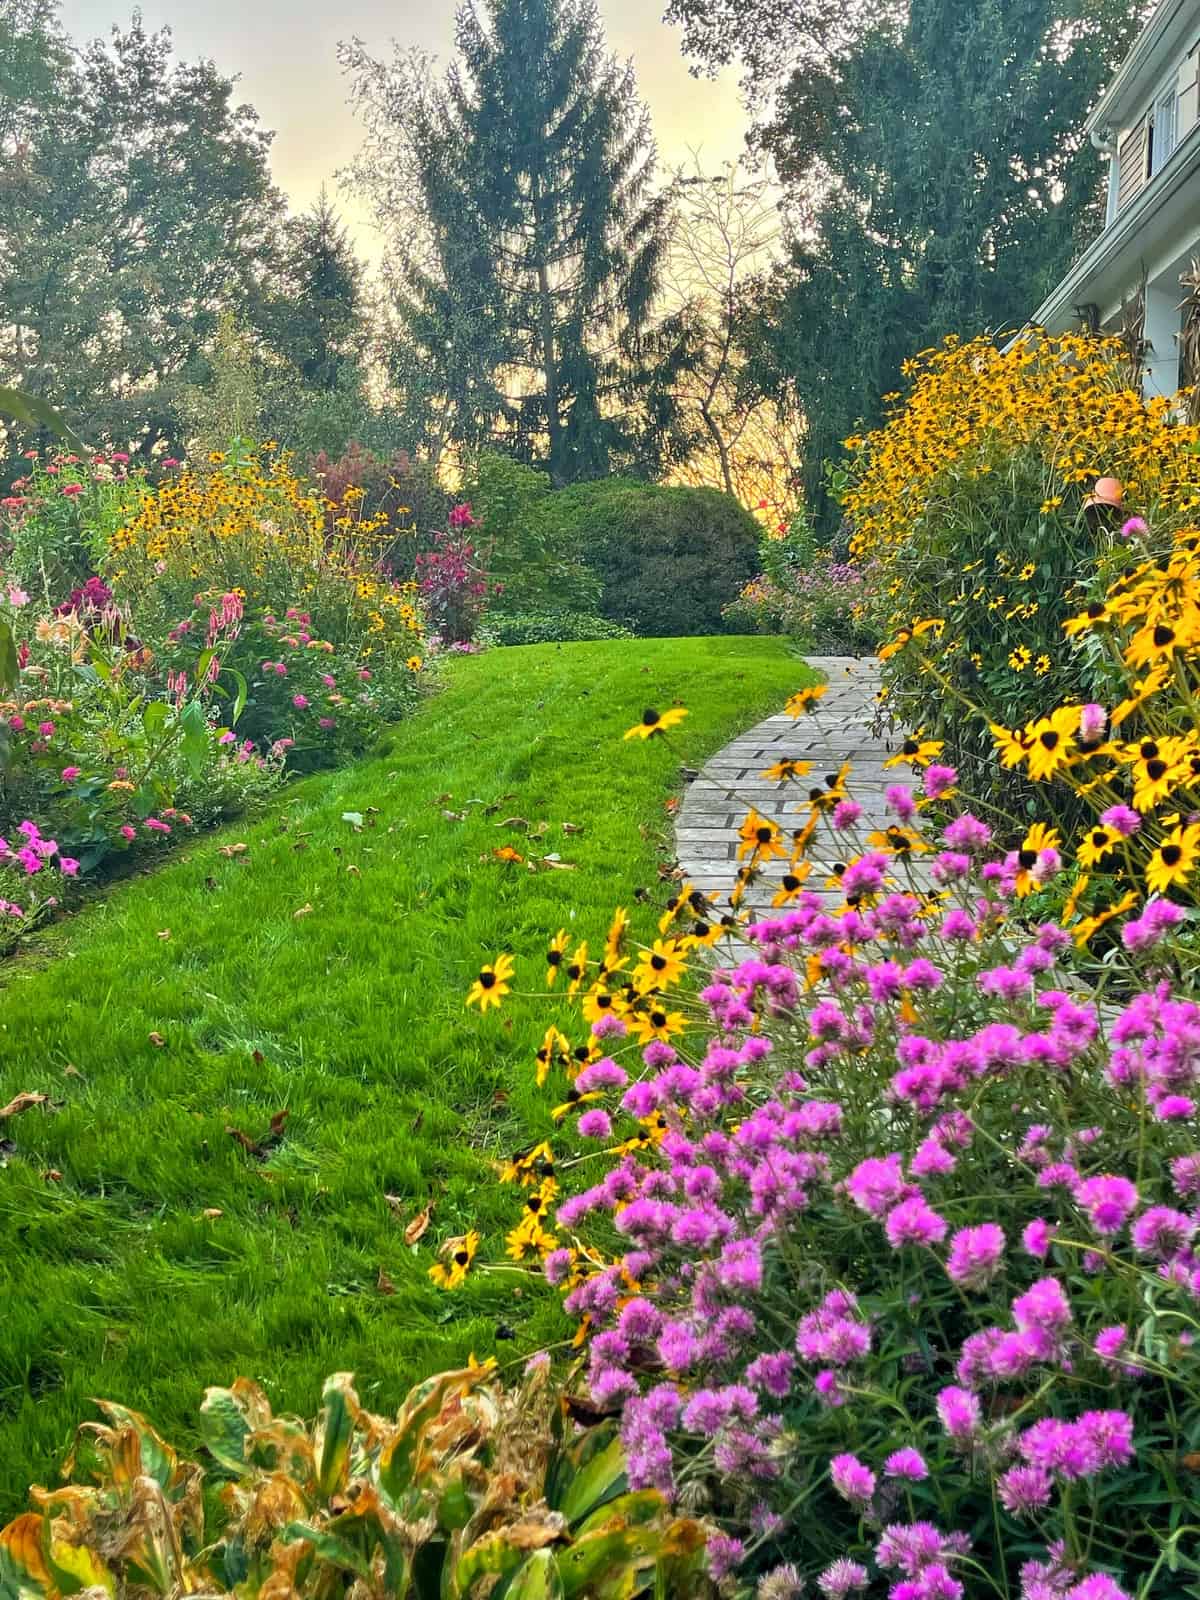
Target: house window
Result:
[1162, 130]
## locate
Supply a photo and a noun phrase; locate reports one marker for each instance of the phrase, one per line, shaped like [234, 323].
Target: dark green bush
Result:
[549, 627]
[668, 559]
[535, 565]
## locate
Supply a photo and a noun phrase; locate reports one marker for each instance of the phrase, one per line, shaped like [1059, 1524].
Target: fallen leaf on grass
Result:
[539, 830]
[164, 933]
[454, 816]
[491, 810]
[302, 911]
[354, 871]
[52, 1175]
[23, 1102]
[354, 818]
[507, 853]
[211, 1213]
[384, 1284]
[395, 1203]
[553, 863]
[671, 806]
[71, 1071]
[261, 1148]
[572, 827]
[514, 822]
[157, 1040]
[231, 850]
[416, 1228]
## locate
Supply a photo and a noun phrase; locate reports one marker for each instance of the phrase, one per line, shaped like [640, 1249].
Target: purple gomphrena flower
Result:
[1043, 1308]
[852, 1480]
[1024, 1490]
[901, 801]
[959, 1412]
[843, 1578]
[1134, 527]
[724, 1554]
[1093, 720]
[1109, 1342]
[846, 813]
[939, 781]
[976, 1255]
[1162, 1231]
[876, 1184]
[1098, 1586]
[1185, 1175]
[914, 1222]
[1108, 1201]
[595, 1124]
[1157, 919]
[907, 1463]
[1122, 819]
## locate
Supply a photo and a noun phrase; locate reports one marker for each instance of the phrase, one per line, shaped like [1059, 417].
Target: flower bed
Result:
[882, 1245]
[168, 648]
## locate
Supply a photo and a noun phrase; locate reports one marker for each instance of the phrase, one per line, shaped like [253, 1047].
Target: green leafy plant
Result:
[549, 627]
[472, 1490]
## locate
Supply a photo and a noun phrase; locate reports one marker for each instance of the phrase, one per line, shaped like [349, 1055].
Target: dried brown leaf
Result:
[302, 911]
[416, 1228]
[23, 1102]
[384, 1284]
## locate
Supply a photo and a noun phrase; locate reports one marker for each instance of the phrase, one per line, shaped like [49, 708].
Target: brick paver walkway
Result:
[706, 828]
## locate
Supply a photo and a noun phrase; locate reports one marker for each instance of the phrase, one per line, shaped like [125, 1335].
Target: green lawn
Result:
[351, 1018]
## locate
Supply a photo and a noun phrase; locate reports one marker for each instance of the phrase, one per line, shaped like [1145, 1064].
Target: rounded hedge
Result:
[668, 559]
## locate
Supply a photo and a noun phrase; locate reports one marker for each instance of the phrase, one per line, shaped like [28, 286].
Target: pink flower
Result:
[595, 1124]
[1024, 1490]
[975, 1255]
[300, 701]
[914, 1222]
[1134, 527]
[959, 1412]
[69, 774]
[155, 826]
[1108, 1201]
[939, 781]
[908, 1464]
[852, 1480]
[68, 866]
[72, 488]
[1038, 1237]
[326, 722]
[127, 832]
[46, 729]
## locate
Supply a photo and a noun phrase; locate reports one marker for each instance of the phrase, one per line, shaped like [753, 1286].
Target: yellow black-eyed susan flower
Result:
[787, 771]
[459, 1255]
[655, 722]
[577, 968]
[555, 956]
[791, 884]
[1097, 843]
[660, 966]
[657, 1023]
[553, 1044]
[1174, 861]
[1052, 742]
[916, 752]
[614, 942]
[805, 699]
[492, 984]
[760, 838]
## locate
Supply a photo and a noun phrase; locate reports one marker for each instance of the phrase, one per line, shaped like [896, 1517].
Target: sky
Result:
[287, 69]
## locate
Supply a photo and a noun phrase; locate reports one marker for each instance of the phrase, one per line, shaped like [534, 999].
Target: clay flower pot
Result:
[1105, 499]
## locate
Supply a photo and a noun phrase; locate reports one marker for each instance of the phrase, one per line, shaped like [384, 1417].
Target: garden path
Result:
[706, 828]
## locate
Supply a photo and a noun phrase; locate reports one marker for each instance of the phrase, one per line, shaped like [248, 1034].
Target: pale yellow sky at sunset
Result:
[288, 70]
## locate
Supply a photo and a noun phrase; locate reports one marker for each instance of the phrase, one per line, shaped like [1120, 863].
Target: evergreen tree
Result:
[934, 175]
[527, 296]
[320, 313]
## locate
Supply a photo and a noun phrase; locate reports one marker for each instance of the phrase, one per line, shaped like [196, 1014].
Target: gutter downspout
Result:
[1104, 142]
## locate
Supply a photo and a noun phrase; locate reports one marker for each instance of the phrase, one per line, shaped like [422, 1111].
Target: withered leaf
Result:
[572, 827]
[514, 822]
[164, 933]
[384, 1284]
[302, 911]
[539, 830]
[454, 816]
[417, 1227]
[158, 1040]
[211, 1213]
[396, 1204]
[52, 1175]
[23, 1102]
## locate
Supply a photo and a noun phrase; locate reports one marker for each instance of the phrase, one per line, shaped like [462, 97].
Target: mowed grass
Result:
[144, 1252]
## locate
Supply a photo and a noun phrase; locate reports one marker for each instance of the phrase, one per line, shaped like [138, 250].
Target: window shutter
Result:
[1187, 109]
[1131, 164]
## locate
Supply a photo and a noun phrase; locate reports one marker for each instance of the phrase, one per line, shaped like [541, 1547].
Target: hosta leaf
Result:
[538, 1579]
[493, 1556]
[23, 1569]
[339, 1413]
[601, 1479]
[227, 1417]
[75, 1567]
[643, 1505]
[158, 1460]
[423, 1406]
[329, 1547]
[611, 1564]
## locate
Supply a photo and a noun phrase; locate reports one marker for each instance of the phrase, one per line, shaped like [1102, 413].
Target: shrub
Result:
[400, 497]
[536, 562]
[454, 581]
[549, 627]
[894, 1221]
[472, 1485]
[805, 591]
[972, 502]
[668, 560]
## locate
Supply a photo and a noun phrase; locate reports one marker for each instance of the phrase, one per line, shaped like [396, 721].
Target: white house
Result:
[1147, 123]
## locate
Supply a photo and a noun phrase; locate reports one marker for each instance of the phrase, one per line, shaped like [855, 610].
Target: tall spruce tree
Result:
[933, 171]
[529, 291]
[319, 322]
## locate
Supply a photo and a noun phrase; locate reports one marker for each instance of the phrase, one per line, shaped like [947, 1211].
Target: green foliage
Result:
[470, 1482]
[120, 1278]
[34, 413]
[668, 559]
[527, 235]
[164, 180]
[548, 627]
[937, 200]
[536, 562]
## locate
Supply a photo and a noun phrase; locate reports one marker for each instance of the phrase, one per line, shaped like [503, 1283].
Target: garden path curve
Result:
[712, 809]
